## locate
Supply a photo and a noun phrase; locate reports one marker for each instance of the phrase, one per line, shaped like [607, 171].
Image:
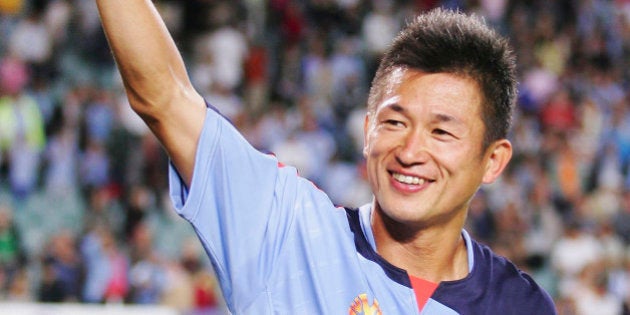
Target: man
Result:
[438, 115]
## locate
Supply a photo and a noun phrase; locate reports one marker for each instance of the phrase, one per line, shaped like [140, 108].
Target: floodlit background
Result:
[85, 216]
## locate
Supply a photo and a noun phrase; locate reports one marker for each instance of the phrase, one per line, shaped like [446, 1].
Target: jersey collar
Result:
[359, 221]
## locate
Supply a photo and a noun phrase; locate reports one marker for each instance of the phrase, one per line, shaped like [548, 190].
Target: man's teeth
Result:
[410, 180]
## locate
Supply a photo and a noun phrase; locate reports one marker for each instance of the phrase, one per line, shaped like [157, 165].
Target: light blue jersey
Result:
[279, 245]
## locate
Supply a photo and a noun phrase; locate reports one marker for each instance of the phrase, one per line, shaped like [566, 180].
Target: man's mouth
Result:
[409, 180]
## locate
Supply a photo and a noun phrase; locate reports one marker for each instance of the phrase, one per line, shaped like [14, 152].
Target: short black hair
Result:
[448, 41]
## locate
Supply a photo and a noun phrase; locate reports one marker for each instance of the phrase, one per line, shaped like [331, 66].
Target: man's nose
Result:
[413, 149]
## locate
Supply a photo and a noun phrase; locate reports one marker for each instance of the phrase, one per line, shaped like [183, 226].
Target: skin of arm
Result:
[155, 78]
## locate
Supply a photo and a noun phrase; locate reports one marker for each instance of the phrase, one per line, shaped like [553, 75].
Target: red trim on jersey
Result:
[423, 290]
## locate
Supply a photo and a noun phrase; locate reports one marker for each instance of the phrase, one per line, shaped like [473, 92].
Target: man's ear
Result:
[366, 127]
[498, 154]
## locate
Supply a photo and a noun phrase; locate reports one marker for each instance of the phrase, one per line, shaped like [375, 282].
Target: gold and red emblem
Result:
[361, 306]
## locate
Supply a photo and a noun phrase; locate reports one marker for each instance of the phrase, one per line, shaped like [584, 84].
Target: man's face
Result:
[423, 145]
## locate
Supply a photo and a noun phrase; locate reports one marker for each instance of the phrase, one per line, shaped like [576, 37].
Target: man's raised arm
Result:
[155, 78]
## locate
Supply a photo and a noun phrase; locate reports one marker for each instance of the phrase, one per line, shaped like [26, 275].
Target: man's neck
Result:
[434, 253]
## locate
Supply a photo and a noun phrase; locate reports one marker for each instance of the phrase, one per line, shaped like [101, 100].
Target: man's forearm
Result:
[149, 62]
[155, 77]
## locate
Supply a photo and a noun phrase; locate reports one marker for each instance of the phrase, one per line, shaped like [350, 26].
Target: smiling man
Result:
[425, 162]
[438, 115]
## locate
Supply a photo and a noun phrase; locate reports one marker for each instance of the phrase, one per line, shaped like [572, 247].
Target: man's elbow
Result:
[155, 104]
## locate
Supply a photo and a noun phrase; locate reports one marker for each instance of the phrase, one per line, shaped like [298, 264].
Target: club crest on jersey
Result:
[361, 306]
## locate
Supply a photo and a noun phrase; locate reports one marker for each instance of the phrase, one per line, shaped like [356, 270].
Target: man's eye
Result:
[393, 122]
[441, 132]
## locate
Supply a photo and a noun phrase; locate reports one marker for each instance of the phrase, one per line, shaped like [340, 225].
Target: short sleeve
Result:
[240, 203]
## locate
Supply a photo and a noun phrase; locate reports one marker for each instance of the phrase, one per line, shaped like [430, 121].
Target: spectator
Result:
[22, 132]
[621, 220]
[379, 28]
[481, 221]
[227, 48]
[51, 288]
[62, 270]
[573, 252]
[591, 295]
[32, 41]
[147, 281]
[12, 255]
[106, 267]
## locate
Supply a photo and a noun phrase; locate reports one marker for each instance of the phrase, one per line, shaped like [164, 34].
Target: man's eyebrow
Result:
[438, 117]
[394, 107]
[445, 118]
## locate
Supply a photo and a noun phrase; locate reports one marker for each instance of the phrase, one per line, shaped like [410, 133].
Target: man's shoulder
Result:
[497, 269]
[507, 282]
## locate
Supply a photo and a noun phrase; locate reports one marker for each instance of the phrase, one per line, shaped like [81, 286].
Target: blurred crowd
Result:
[84, 209]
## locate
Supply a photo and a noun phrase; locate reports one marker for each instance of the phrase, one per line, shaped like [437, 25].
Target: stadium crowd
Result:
[85, 214]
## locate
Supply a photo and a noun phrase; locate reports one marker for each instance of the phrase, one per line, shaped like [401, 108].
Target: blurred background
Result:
[85, 216]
